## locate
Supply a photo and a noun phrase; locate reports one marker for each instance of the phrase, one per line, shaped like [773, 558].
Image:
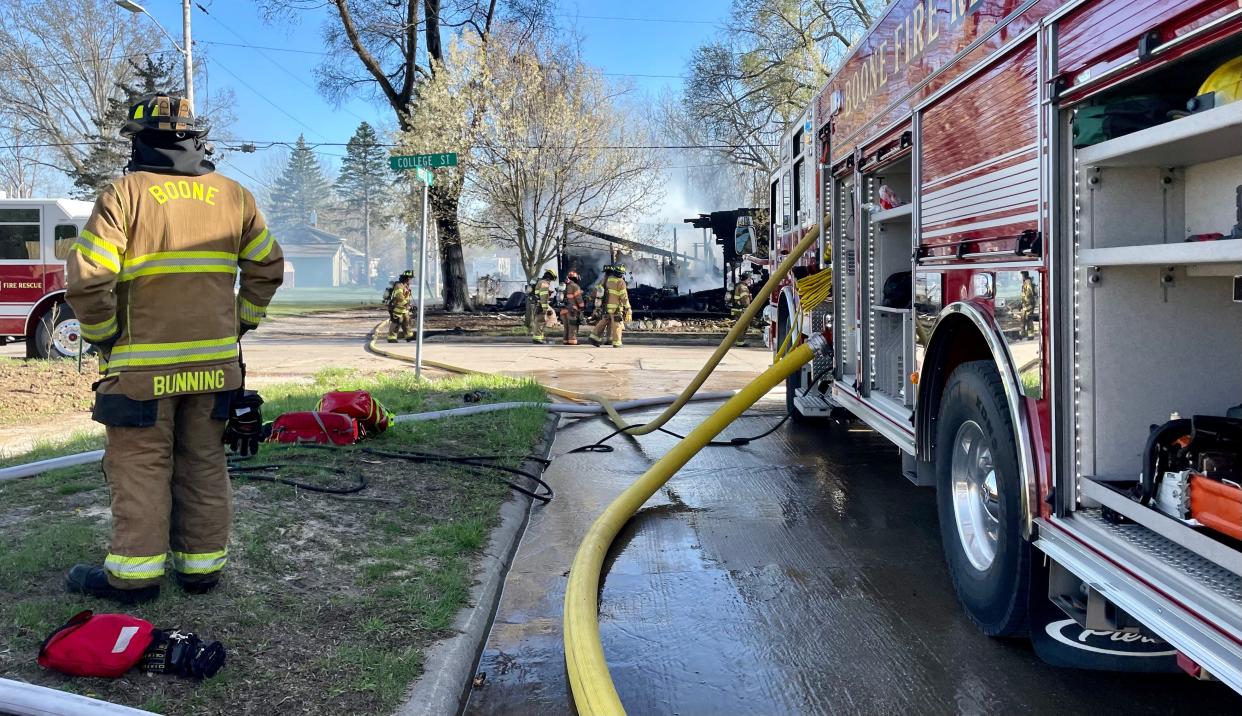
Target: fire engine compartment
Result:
[1155, 324]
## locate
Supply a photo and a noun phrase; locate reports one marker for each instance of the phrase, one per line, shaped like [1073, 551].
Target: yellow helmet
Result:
[1224, 85]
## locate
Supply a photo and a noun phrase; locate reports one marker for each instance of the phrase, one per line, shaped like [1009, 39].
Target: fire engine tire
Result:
[55, 338]
[978, 501]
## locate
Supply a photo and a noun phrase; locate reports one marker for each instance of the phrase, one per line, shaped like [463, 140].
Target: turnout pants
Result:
[570, 319]
[609, 327]
[170, 488]
[399, 325]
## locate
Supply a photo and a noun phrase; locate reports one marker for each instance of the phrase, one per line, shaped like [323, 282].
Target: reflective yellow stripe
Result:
[259, 247]
[157, 354]
[123, 567]
[249, 312]
[102, 252]
[200, 562]
[94, 332]
[170, 262]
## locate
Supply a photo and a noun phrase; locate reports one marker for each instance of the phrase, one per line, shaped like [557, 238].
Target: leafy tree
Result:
[109, 155]
[539, 135]
[363, 184]
[301, 191]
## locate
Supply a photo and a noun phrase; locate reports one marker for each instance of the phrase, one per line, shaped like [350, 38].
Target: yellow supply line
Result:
[593, 690]
[743, 322]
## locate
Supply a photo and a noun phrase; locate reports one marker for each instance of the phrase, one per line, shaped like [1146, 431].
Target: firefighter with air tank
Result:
[400, 299]
[541, 306]
[573, 308]
[151, 279]
[615, 309]
[739, 299]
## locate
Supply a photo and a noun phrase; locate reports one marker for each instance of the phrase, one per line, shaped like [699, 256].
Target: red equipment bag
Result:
[314, 427]
[106, 645]
[360, 405]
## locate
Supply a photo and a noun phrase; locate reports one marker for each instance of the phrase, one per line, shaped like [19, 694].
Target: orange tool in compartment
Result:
[1217, 505]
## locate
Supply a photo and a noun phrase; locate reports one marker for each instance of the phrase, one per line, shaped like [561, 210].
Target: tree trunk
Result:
[444, 201]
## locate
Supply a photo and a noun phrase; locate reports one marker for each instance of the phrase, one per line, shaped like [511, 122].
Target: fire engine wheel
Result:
[978, 500]
[59, 334]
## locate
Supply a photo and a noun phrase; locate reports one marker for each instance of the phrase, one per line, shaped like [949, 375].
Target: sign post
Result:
[422, 165]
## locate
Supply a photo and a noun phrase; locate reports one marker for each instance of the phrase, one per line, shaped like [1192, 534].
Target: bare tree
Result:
[384, 37]
[60, 63]
[544, 139]
[764, 68]
[22, 169]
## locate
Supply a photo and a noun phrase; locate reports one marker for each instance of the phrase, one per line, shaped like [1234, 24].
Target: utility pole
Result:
[188, 52]
[422, 288]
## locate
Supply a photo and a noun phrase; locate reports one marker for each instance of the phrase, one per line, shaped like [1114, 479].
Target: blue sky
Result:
[274, 88]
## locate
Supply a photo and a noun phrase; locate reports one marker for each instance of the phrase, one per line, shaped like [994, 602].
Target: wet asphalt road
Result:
[799, 575]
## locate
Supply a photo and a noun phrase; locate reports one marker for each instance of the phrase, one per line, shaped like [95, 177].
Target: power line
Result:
[84, 62]
[272, 60]
[665, 20]
[265, 98]
[261, 144]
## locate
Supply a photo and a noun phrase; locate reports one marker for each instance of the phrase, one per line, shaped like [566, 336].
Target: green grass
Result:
[328, 603]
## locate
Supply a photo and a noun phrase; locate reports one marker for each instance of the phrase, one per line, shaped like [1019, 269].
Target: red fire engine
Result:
[35, 236]
[1033, 214]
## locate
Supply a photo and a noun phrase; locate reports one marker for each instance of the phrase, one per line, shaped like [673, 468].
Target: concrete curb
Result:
[450, 665]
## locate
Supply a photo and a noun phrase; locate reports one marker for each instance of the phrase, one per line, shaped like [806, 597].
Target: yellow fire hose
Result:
[757, 304]
[594, 692]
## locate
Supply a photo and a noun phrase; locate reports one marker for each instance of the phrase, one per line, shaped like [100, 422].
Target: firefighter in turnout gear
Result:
[541, 302]
[399, 303]
[595, 303]
[739, 300]
[151, 279]
[571, 312]
[616, 307]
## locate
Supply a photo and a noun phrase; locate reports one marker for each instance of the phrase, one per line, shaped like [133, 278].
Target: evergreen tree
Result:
[362, 185]
[301, 192]
[108, 157]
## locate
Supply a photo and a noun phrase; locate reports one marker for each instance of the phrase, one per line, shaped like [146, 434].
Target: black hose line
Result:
[600, 446]
[478, 462]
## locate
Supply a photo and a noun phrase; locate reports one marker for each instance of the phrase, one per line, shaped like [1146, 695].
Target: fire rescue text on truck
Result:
[35, 236]
[1033, 215]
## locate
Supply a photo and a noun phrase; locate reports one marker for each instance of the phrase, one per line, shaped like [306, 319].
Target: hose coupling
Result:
[819, 344]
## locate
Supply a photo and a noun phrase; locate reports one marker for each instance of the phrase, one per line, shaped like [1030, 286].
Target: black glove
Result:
[244, 328]
[104, 347]
[244, 431]
[178, 654]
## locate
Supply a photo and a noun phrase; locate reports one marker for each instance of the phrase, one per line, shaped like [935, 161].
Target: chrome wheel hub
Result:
[976, 497]
[67, 338]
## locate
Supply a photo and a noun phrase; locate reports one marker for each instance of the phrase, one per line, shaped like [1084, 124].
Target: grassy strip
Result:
[327, 603]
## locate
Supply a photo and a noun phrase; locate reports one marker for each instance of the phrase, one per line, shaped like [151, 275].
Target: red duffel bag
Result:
[315, 427]
[373, 418]
[106, 645]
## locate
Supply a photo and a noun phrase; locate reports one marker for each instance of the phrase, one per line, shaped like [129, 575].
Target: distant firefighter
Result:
[616, 309]
[571, 312]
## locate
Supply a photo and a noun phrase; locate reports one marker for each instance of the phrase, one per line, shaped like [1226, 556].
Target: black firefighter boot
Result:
[93, 581]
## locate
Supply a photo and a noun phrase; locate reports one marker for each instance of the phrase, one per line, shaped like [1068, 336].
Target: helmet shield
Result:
[162, 113]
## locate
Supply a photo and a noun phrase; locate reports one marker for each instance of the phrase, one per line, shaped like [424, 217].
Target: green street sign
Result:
[404, 162]
[426, 176]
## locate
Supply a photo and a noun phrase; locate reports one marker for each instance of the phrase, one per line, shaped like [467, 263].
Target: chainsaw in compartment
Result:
[1192, 471]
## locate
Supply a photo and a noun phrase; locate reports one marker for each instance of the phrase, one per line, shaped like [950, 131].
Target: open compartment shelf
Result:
[1195, 139]
[897, 213]
[1187, 252]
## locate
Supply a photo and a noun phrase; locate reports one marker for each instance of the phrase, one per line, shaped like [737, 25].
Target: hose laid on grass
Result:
[93, 456]
[593, 690]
